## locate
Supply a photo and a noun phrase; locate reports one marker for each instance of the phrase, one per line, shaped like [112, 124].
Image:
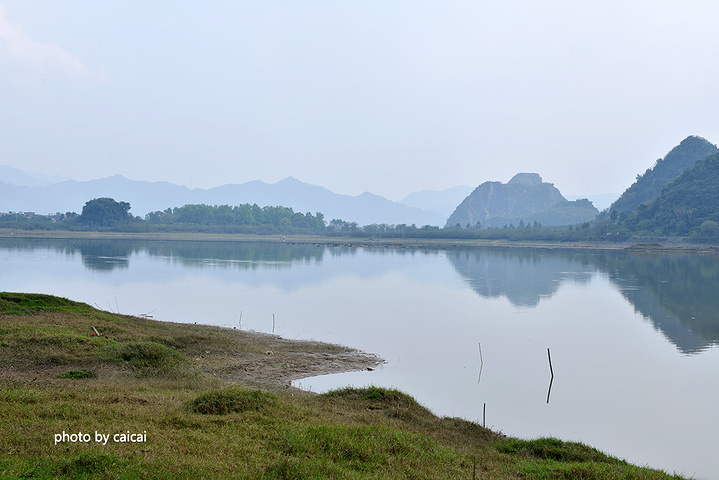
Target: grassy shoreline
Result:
[214, 403]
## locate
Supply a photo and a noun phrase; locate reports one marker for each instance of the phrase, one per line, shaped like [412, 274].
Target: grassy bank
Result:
[163, 400]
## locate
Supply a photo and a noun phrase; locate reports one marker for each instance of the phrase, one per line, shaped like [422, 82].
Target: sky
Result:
[385, 96]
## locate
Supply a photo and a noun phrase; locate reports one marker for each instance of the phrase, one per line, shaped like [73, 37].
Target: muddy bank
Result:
[274, 362]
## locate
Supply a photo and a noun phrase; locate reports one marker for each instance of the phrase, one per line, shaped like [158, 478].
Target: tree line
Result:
[106, 214]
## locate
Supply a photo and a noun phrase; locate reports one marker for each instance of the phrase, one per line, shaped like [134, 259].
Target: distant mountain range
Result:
[32, 194]
[525, 199]
[13, 176]
[677, 196]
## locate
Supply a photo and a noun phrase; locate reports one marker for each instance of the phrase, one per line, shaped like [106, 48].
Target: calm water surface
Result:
[632, 336]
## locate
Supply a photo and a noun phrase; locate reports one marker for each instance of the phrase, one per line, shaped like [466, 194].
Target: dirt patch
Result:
[274, 362]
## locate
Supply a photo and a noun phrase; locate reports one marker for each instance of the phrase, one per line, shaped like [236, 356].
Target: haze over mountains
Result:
[69, 196]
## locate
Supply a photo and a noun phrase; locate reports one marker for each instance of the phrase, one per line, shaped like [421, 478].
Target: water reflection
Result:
[108, 255]
[679, 294]
[523, 276]
[415, 310]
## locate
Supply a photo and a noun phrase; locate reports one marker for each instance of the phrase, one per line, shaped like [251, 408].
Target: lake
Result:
[466, 331]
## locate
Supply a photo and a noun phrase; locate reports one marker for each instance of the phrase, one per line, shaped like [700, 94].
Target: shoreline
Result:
[643, 245]
[239, 357]
[282, 361]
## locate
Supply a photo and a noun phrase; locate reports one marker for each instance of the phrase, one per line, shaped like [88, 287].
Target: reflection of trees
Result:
[104, 255]
[523, 276]
[678, 293]
[243, 255]
[107, 255]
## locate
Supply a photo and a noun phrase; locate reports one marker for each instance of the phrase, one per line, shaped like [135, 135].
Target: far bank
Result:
[643, 244]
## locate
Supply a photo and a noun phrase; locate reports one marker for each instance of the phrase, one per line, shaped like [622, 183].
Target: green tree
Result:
[105, 212]
[709, 228]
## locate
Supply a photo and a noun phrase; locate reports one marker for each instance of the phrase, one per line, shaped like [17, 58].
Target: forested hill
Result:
[648, 186]
[525, 199]
[687, 206]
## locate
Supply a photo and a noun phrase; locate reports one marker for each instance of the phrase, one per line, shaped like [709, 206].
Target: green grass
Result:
[144, 358]
[78, 374]
[231, 400]
[29, 303]
[167, 380]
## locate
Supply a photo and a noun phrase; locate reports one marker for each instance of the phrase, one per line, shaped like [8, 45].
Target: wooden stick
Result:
[95, 330]
[549, 390]
[484, 415]
[480, 354]
[273, 323]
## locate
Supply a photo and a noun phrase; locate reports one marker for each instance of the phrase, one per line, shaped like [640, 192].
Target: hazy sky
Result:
[384, 96]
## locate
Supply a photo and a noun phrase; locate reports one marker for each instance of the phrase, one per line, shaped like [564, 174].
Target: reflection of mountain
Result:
[679, 294]
[524, 276]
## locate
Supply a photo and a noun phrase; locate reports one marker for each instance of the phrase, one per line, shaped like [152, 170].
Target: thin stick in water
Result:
[480, 354]
[549, 356]
[549, 390]
[551, 370]
[273, 323]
